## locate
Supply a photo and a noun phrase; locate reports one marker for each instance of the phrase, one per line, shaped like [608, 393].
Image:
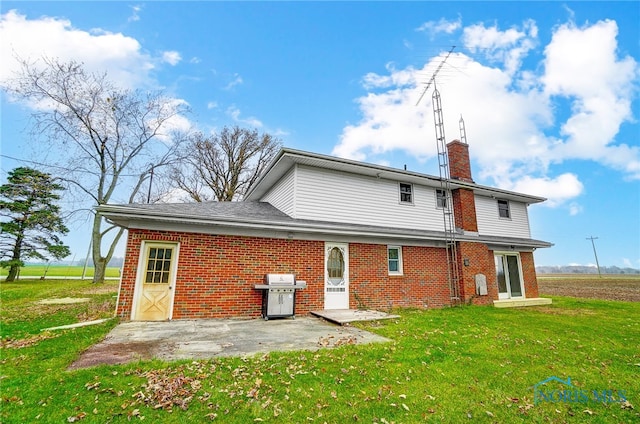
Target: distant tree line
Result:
[584, 269]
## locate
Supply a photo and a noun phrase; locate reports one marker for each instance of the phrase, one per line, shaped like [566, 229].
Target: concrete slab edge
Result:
[79, 324]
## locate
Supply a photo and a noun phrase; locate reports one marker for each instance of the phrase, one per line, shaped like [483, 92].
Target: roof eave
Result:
[128, 218]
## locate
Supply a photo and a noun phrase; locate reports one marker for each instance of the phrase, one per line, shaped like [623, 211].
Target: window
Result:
[158, 265]
[503, 209]
[394, 254]
[441, 199]
[406, 193]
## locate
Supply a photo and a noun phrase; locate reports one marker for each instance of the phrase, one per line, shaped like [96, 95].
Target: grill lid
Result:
[280, 279]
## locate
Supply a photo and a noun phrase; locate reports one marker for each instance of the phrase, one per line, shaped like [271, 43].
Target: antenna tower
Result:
[463, 131]
[453, 270]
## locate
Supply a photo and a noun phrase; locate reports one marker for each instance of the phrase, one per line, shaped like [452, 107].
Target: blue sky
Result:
[548, 90]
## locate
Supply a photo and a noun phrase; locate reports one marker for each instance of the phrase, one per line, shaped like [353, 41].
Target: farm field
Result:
[464, 364]
[608, 287]
[56, 271]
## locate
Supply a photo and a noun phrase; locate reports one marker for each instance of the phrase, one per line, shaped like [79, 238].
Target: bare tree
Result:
[108, 139]
[222, 167]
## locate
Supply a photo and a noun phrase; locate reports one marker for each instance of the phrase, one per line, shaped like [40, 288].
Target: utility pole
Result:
[592, 238]
[150, 184]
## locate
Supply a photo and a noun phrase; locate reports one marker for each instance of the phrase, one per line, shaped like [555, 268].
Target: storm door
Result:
[336, 279]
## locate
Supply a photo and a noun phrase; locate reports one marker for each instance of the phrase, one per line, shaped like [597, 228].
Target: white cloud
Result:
[31, 39]
[234, 113]
[171, 57]
[212, 105]
[575, 209]
[441, 26]
[516, 129]
[135, 13]
[237, 80]
[508, 47]
[556, 190]
[398, 78]
[629, 263]
[120, 56]
[581, 65]
[176, 123]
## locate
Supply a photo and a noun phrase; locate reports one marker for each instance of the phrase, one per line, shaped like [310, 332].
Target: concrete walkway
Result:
[204, 339]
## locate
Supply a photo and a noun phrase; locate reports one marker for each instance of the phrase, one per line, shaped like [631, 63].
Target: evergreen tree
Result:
[31, 222]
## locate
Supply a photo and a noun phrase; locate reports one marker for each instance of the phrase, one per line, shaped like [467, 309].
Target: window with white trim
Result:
[503, 209]
[441, 199]
[394, 256]
[406, 193]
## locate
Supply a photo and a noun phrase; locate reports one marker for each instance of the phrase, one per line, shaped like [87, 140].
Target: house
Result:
[360, 235]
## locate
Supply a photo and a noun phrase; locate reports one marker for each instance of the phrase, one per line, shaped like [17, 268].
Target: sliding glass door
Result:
[509, 275]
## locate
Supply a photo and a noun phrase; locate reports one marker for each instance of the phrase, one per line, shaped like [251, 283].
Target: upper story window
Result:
[441, 199]
[395, 260]
[406, 193]
[503, 209]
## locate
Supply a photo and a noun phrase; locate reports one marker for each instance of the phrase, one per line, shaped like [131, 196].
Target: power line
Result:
[61, 168]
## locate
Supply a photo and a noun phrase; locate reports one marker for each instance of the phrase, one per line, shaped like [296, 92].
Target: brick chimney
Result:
[464, 203]
[459, 163]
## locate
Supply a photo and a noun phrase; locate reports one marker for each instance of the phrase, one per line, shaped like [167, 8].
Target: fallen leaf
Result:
[78, 417]
[626, 405]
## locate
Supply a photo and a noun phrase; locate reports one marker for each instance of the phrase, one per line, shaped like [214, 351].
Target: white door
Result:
[509, 276]
[336, 276]
[156, 278]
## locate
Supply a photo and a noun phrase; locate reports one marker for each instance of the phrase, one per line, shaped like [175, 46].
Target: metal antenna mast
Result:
[453, 271]
[433, 77]
[463, 131]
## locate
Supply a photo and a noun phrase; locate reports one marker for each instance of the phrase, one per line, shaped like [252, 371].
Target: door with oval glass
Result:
[336, 276]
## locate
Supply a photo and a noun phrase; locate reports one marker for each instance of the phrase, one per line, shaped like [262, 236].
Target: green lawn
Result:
[59, 271]
[466, 364]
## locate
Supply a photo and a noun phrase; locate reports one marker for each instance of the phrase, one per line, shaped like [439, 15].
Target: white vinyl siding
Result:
[281, 194]
[328, 195]
[491, 224]
[406, 193]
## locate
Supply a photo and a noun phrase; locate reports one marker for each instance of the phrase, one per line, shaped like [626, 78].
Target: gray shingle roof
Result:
[211, 210]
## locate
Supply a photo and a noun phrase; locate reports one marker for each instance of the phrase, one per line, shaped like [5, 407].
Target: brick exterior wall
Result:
[422, 285]
[464, 209]
[459, 163]
[529, 274]
[216, 274]
[480, 261]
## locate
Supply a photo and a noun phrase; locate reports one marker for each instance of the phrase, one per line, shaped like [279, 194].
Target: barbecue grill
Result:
[279, 295]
